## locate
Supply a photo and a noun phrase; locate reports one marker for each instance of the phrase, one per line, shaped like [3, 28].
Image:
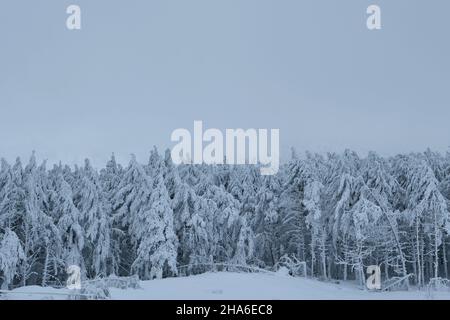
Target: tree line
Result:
[338, 213]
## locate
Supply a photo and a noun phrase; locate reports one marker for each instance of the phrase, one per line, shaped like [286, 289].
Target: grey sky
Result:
[139, 69]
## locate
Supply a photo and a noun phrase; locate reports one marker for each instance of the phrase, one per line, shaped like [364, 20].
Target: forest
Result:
[334, 213]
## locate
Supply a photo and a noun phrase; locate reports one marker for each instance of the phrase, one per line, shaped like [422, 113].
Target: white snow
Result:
[236, 286]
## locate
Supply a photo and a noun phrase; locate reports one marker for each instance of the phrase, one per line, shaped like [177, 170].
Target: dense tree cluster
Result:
[338, 213]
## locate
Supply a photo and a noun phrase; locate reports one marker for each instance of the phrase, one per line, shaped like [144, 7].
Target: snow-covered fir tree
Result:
[91, 202]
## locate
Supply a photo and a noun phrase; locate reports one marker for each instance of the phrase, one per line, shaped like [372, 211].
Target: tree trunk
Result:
[422, 259]
[436, 248]
[386, 269]
[313, 254]
[414, 262]
[45, 272]
[323, 256]
[419, 267]
[25, 260]
[444, 257]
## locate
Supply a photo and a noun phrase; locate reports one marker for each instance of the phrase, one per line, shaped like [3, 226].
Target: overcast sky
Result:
[139, 69]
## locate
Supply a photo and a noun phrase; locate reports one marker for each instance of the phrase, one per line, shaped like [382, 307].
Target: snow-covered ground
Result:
[238, 286]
